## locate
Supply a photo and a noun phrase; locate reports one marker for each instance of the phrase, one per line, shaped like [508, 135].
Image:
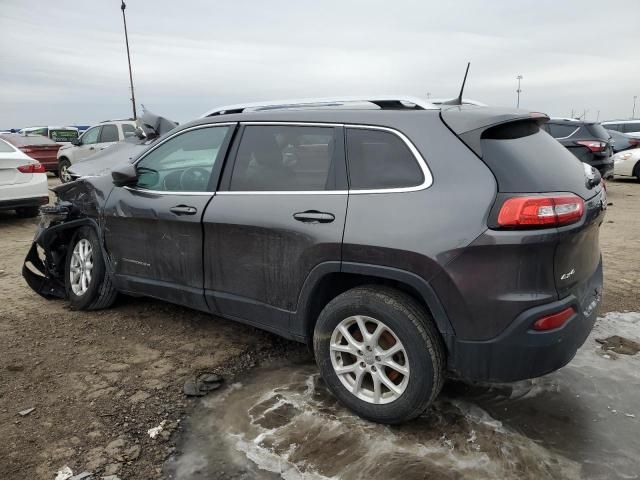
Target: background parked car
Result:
[61, 135]
[630, 127]
[622, 141]
[92, 141]
[588, 141]
[151, 127]
[627, 163]
[38, 147]
[23, 182]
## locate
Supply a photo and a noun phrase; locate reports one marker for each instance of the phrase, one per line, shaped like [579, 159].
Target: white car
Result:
[92, 141]
[23, 182]
[627, 163]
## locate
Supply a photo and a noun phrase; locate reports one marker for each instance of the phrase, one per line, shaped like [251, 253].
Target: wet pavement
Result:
[280, 422]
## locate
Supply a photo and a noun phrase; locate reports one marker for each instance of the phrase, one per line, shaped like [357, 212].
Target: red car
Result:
[37, 147]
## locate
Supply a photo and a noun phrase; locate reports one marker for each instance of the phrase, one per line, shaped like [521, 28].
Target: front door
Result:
[153, 230]
[88, 144]
[279, 213]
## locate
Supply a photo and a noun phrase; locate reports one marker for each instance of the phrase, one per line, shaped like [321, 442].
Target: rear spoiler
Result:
[470, 122]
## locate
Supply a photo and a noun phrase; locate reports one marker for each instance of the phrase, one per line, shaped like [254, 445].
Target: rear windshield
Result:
[63, 135]
[525, 158]
[22, 140]
[5, 147]
[598, 131]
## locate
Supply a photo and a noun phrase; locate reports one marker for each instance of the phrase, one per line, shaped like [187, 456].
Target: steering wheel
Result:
[194, 179]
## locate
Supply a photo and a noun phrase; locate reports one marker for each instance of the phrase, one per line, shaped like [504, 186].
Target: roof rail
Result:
[382, 101]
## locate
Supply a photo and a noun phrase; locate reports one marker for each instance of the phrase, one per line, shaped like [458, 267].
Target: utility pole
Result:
[598, 116]
[428, 95]
[126, 39]
[633, 112]
[519, 77]
[584, 115]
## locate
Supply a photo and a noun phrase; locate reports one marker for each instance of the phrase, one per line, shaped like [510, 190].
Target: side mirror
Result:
[124, 175]
[76, 142]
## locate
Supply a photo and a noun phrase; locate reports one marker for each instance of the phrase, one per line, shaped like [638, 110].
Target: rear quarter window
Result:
[524, 158]
[379, 159]
[598, 131]
[632, 127]
[560, 130]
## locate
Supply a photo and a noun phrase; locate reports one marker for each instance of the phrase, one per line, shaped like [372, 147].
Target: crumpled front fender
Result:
[46, 277]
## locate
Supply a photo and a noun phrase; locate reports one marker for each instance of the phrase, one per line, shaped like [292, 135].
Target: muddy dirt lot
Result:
[98, 381]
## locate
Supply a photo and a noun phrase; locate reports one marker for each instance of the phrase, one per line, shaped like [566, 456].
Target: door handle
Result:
[314, 216]
[183, 210]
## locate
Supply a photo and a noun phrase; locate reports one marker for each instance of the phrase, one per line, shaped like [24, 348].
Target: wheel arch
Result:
[328, 280]
[49, 279]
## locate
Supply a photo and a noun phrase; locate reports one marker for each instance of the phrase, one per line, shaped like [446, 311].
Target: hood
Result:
[104, 161]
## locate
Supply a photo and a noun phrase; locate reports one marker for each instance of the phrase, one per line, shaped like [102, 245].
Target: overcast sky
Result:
[64, 61]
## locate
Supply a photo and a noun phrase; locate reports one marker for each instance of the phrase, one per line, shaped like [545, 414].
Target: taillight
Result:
[551, 322]
[32, 168]
[541, 211]
[634, 142]
[593, 146]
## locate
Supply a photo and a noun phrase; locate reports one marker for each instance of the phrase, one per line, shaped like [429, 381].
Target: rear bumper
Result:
[23, 202]
[29, 194]
[519, 352]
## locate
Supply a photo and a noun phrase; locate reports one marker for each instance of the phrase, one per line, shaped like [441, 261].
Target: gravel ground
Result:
[99, 380]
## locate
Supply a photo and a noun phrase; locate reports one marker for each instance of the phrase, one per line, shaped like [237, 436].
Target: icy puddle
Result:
[580, 422]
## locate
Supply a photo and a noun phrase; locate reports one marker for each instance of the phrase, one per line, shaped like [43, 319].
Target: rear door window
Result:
[378, 159]
[561, 131]
[109, 133]
[285, 158]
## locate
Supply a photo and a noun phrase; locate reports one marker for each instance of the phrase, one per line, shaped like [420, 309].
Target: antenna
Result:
[458, 101]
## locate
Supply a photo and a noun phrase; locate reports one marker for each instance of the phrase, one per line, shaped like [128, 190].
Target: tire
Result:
[63, 166]
[27, 212]
[636, 171]
[99, 292]
[403, 319]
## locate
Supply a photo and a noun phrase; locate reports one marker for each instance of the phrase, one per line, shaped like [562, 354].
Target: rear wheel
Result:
[27, 212]
[63, 170]
[636, 171]
[88, 285]
[379, 352]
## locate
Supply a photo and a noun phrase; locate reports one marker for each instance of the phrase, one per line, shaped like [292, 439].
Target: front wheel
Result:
[380, 354]
[88, 285]
[63, 170]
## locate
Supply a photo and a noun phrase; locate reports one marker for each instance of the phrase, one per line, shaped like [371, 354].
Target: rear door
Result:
[153, 230]
[279, 213]
[108, 136]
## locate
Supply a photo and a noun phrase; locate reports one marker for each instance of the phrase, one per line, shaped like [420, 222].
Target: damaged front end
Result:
[45, 263]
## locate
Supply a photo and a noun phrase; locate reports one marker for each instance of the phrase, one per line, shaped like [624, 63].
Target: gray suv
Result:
[402, 240]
